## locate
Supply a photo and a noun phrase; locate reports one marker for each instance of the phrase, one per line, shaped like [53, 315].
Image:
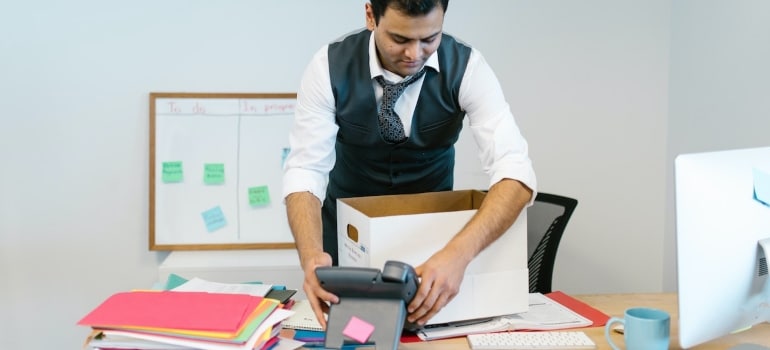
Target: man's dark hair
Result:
[411, 8]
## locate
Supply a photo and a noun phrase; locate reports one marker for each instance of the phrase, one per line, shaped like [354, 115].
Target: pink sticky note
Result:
[358, 330]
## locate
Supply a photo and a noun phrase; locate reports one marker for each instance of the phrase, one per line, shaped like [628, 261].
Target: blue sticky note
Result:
[284, 154]
[214, 219]
[762, 186]
[174, 281]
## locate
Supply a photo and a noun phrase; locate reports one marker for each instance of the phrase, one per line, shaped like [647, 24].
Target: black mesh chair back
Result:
[546, 220]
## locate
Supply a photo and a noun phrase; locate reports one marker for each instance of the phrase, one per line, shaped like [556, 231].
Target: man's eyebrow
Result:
[401, 37]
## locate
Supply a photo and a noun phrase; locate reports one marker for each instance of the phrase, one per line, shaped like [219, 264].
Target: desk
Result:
[615, 305]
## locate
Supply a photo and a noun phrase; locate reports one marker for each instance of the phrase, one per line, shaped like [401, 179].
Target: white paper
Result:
[287, 344]
[115, 342]
[200, 285]
[544, 314]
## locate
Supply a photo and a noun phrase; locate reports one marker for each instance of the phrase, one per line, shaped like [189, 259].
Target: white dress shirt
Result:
[503, 150]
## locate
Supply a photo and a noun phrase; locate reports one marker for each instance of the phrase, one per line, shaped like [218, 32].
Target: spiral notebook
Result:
[303, 318]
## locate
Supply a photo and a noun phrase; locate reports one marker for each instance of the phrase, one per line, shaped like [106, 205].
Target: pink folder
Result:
[179, 310]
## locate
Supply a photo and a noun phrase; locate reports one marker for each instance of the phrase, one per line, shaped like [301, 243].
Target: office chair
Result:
[546, 220]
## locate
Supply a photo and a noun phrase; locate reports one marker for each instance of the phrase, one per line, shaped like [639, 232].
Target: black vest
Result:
[366, 164]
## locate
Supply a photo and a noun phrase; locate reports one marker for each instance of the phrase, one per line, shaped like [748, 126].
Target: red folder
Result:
[178, 310]
[597, 317]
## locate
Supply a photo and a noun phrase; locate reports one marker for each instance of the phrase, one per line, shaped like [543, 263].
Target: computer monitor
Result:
[722, 268]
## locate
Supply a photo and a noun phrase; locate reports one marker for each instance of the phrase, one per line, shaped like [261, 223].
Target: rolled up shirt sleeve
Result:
[311, 140]
[504, 152]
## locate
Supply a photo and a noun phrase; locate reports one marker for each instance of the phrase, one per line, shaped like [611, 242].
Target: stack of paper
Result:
[280, 293]
[185, 320]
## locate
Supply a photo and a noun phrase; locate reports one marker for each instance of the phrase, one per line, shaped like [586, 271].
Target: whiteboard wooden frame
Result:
[155, 241]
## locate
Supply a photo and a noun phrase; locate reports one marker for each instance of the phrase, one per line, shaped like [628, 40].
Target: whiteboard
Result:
[216, 170]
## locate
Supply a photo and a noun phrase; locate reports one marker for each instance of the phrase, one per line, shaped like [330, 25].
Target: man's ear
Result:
[370, 24]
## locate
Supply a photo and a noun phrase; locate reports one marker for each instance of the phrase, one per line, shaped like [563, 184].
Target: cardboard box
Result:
[410, 228]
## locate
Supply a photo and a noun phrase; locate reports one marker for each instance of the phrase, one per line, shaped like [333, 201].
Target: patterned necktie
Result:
[390, 124]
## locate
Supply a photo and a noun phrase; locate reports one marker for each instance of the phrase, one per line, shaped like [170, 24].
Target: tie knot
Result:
[390, 123]
[402, 84]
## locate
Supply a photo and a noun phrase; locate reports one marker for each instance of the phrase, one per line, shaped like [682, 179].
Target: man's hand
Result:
[304, 212]
[317, 296]
[441, 277]
[443, 273]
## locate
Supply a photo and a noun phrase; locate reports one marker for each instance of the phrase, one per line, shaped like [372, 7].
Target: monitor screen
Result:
[722, 270]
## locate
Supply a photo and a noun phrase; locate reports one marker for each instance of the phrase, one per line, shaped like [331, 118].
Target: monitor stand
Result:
[386, 315]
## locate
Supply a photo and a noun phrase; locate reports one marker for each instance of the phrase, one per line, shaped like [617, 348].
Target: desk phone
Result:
[378, 297]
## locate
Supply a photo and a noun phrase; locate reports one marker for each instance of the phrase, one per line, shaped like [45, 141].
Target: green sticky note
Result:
[259, 195]
[213, 173]
[172, 172]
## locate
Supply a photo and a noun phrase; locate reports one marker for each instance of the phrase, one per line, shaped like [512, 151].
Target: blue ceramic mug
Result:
[643, 329]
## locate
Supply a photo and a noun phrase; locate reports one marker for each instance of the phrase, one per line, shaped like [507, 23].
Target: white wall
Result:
[587, 80]
[718, 87]
[74, 84]
[588, 83]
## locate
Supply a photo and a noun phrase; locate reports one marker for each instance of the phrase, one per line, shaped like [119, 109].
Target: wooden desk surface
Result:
[615, 305]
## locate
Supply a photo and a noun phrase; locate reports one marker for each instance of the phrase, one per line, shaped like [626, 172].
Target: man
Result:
[348, 142]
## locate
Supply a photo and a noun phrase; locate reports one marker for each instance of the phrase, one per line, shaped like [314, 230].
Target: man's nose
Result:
[412, 51]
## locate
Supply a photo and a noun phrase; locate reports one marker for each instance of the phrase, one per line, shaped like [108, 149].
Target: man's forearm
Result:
[501, 207]
[303, 210]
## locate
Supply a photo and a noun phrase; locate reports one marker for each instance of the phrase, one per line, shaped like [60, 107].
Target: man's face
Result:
[404, 43]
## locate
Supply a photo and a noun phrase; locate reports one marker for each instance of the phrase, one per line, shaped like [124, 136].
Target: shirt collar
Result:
[375, 68]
